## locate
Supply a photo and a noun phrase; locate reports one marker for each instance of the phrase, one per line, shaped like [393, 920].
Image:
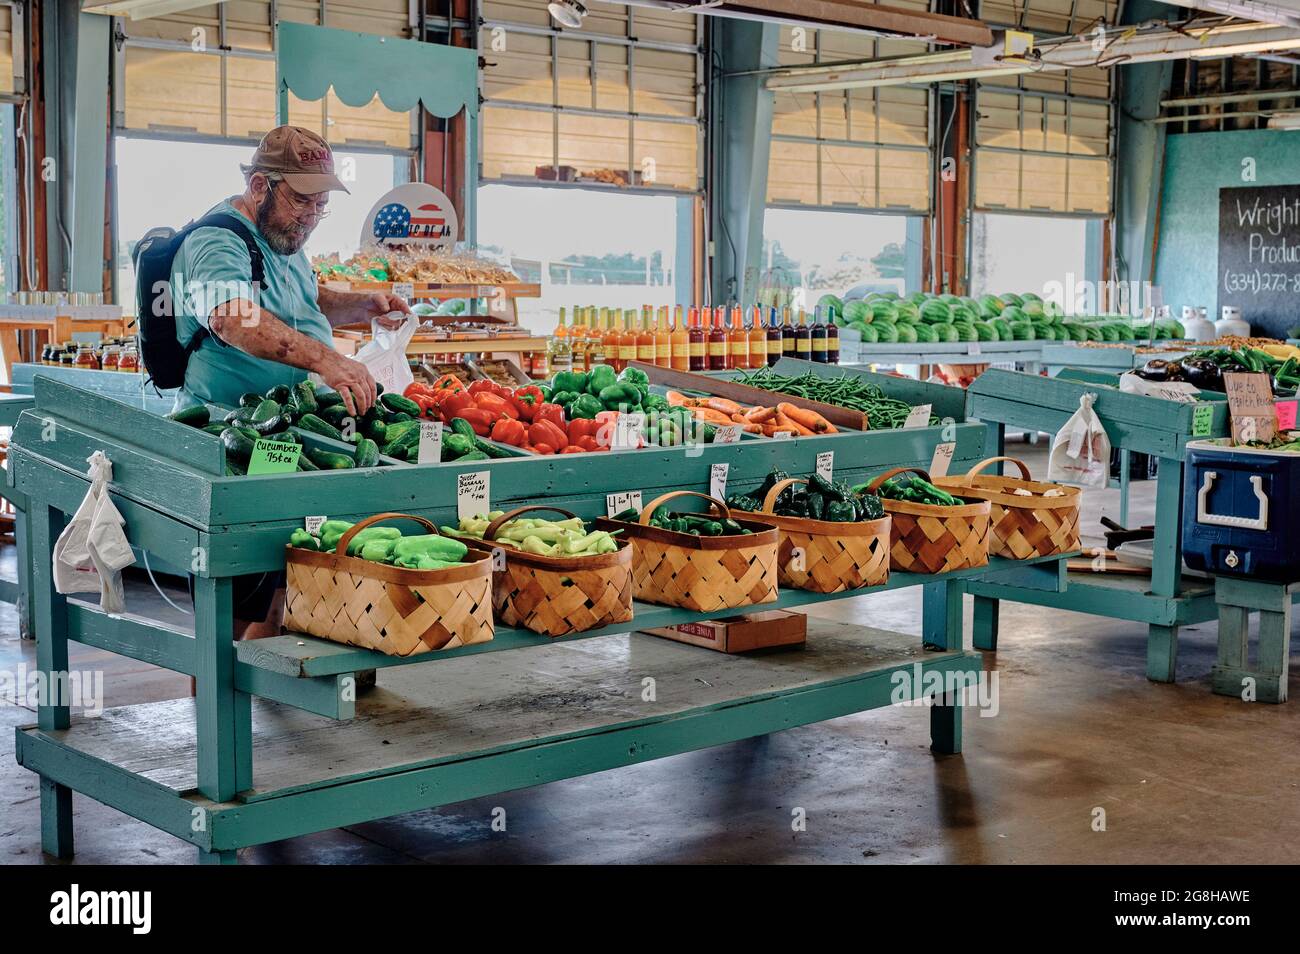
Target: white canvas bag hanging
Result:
[92, 550]
[1081, 450]
[385, 355]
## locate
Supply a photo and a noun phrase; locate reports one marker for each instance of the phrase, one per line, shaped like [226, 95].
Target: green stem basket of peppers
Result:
[931, 531]
[700, 562]
[402, 595]
[833, 537]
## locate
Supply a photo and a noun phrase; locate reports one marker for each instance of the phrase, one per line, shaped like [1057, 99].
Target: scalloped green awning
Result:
[311, 59]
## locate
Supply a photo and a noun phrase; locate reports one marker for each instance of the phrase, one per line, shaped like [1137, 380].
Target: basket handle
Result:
[1024, 471]
[894, 472]
[770, 500]
[352, 531]
[648, 511]
[493, 528]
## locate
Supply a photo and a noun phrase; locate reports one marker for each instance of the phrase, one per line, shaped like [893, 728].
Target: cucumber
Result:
[238, 447]
[328, 399]
[273, 426]
[398, 404]
[215, 428]
[328, 460]
[250, 400]
[377, 431]
[265, 411]
[491, 450]
[367, 453]
[310, 422]
[304, 397]
[196, 416]
[240, 415]
[279, 394]
[305, 464]
[332, 415]
[235, 470]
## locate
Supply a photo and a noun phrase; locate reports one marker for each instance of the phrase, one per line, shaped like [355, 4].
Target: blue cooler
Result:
[1241, 511]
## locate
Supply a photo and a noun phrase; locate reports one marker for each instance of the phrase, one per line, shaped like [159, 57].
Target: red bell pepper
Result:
[527, 400]
[509, 431]
[550, 412]
[541, 448]
[588, 443]
[581, 427]
[544, 432]
[478, 419]
[452, 405]
[486, 386]
[573, 449]
[496, 405]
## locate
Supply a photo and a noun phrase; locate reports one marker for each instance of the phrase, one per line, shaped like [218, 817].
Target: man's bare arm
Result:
[254, 330]
[352, 308]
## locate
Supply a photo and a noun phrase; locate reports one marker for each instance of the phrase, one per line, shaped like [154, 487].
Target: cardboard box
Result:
[741, 634]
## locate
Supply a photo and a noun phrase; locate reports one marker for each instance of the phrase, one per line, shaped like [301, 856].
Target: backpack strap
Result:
[232, 223]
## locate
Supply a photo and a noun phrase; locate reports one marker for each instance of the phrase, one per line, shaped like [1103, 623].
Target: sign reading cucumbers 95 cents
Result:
[1259, 256]
[414, 213]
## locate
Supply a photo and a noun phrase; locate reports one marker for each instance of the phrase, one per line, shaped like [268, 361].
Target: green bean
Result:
[847, 391]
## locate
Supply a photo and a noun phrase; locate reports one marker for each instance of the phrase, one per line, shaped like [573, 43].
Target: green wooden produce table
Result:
[275, 744]
[1133, 422]
[16, 591]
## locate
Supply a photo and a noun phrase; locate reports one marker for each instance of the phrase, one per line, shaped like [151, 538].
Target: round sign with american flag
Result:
[414, 213]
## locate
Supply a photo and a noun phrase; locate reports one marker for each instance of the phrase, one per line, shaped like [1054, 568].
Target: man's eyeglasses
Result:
[301, 205]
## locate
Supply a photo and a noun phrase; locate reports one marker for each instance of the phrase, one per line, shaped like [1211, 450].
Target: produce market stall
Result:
[276, 742]
[1133, 422]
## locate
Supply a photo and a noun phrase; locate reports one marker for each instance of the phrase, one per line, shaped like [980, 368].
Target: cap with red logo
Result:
[302, 157]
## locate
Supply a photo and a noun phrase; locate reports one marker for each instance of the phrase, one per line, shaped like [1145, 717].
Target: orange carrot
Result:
[675, 399]
[760, 414]
[712, 417]
[721, 405]
[809, 419]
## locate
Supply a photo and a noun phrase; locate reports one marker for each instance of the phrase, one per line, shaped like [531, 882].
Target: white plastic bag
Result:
[385, 355]
[1181, 391]
[1081, 451]
[92, 550]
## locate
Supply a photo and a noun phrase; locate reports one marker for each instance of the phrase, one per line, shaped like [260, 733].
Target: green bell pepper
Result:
[634, 376]
[620, 397]
[575, 381]
[585, 406]
[602, 376]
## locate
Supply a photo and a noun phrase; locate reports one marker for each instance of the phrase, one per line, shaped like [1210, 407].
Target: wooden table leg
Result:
[984, 629]
[52, 662]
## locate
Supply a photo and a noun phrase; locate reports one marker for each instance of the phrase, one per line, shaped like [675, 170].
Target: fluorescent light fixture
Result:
[141, 9]
[567, 13]
[1284, 121]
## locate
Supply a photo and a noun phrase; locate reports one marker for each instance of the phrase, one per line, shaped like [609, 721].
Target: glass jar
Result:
[129, 360]
[47, 354]
[109, 362]
[86, 358]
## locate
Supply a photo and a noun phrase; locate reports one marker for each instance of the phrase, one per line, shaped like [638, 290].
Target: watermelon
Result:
[886, 333]
[1030, 296]
[857, 311]
[945, 332]
[966, 332]
[883, 309]
[985, 331]
[868, 333]
[1012, 299]
[934, 311]
[831, 305]
[1022, 331]
[908, 312]
[1013, 313]
[906, 334]
[1034, 309]
[925, 334]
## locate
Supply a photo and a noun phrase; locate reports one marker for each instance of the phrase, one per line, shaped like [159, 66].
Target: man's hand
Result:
[381, 304]
[352, 380]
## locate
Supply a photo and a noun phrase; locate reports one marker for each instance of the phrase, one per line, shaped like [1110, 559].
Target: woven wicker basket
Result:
[1022, 527]
[925, 538]
[391, 609]
[827, 556]
[559, 595]
[700, 573]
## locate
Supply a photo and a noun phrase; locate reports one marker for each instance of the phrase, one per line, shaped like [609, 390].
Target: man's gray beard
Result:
[281, 242]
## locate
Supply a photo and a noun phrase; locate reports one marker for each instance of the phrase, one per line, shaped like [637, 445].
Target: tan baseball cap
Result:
[302, 157]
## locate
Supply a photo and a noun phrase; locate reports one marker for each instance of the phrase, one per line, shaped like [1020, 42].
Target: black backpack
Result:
[165, 358]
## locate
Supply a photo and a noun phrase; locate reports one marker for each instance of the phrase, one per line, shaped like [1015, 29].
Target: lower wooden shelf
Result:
[427, 737]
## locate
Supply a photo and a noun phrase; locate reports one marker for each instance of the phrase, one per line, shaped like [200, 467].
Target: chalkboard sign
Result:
[1259, 256]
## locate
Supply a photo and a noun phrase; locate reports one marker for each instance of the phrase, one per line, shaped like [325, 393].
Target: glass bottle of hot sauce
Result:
[832, 343]
[697, 337]
[595, 349]
[787, 333]
[645, 338]
[803, 337]
[719, 355]
[737, 340]
[818, 336]
[612, 336]
[627, 349]
[773, 338]
[663, 339]
[681, 342]
[757, 338]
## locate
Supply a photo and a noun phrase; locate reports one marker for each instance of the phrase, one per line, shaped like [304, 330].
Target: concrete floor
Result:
[1183, 776]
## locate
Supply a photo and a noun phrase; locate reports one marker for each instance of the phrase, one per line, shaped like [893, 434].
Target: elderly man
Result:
[243, 339]
[240, 336]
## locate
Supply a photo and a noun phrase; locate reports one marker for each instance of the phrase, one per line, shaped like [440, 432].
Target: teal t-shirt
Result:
[211, 268]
